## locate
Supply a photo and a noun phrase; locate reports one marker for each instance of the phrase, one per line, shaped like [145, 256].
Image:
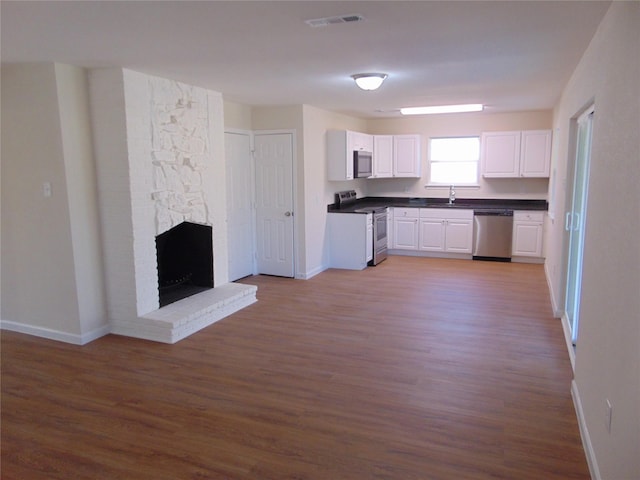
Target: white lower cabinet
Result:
[350, 240]
[446, 230]
[405, 228]
[433, 230]
[432, 234]
[527, 234]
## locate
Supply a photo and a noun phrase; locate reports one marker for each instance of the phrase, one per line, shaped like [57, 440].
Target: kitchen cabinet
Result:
[406, 156]
[405, 228]
[527, 234]
[433, 230]
[359, 141]
[350, 240]
[535, 153]
[340, 147]
[446, 230]
[516, 154]
[432, 234]
[382, 156]
[393, 155]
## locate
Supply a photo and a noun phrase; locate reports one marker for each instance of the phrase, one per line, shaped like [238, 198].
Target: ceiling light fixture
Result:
[471, 107]
[369, 81]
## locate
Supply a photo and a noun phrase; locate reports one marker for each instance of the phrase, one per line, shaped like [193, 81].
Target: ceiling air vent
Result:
[324, 22]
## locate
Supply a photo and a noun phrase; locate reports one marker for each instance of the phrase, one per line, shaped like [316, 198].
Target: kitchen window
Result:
[454, 160]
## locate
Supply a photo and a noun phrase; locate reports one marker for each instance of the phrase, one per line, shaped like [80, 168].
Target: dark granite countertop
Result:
[423, 202]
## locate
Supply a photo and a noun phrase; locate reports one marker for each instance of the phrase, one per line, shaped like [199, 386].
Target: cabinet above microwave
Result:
[341, 145]
[393, 155]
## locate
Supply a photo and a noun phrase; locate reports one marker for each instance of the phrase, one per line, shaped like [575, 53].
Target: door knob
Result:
[288, 214]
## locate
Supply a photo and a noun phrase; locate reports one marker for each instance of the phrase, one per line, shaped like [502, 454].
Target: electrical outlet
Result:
[608, 413]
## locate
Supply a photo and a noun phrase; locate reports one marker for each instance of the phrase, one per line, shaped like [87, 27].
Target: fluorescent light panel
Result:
[470, 107]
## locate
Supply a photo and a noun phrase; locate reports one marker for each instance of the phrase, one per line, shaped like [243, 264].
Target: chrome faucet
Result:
[452, 195]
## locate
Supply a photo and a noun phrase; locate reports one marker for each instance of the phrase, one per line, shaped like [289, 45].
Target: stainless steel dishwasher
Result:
[492, 234]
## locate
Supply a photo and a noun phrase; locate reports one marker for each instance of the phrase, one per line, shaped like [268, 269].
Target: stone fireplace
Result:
[159, 147]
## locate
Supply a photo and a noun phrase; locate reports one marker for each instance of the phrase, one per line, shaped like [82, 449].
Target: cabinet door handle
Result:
[567, 222]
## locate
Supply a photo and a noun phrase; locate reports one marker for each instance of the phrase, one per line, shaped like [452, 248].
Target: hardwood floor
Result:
[415, 369]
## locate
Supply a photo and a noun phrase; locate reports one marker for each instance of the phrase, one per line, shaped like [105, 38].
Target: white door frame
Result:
[294, 191]
[575, 223]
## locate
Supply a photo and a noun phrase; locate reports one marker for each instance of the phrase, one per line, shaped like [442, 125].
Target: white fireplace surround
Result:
[160, 161]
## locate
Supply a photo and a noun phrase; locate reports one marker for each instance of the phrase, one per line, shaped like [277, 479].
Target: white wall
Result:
[73, 97]
[318, 191]
[237, 116]
[607, 362]
[50, 263]
[466, 124]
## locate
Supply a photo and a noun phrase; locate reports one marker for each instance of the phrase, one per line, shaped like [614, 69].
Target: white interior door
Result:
[273, 154]
[240, 229]
[575, 222]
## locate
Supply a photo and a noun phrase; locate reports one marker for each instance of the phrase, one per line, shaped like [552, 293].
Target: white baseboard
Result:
[534, 260]
[311, 273]
[584, 433]
[429, 254]
[57, 335]
[557, 311]
[566, 328]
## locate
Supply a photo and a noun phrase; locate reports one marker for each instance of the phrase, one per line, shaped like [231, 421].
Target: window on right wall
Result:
[454, 160]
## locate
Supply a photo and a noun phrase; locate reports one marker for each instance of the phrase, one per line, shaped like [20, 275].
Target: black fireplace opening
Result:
[185, 261]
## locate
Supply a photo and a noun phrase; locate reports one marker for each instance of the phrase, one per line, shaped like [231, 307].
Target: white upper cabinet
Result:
[382, 156]
[340, 147]
[393, 155]
[535, 153]
[516, 154]
[406, 156]
[501, 154]
[360, 141]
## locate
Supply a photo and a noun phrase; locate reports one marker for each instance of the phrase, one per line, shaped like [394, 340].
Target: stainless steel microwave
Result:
[362, 164]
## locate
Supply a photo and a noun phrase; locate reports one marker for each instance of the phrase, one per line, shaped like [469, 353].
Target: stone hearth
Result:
[184, 317]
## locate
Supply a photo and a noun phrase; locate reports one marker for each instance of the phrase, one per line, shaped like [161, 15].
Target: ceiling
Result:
[511, 56]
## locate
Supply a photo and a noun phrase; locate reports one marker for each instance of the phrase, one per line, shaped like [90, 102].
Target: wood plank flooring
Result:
[415, 369]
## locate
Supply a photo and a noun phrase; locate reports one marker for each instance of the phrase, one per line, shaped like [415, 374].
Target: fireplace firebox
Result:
[185, 261]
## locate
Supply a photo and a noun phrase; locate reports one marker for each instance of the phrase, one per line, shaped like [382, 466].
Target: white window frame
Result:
[476, 183]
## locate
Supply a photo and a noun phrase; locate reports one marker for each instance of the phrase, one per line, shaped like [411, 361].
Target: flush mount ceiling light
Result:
[369, 81]
[471, 107]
